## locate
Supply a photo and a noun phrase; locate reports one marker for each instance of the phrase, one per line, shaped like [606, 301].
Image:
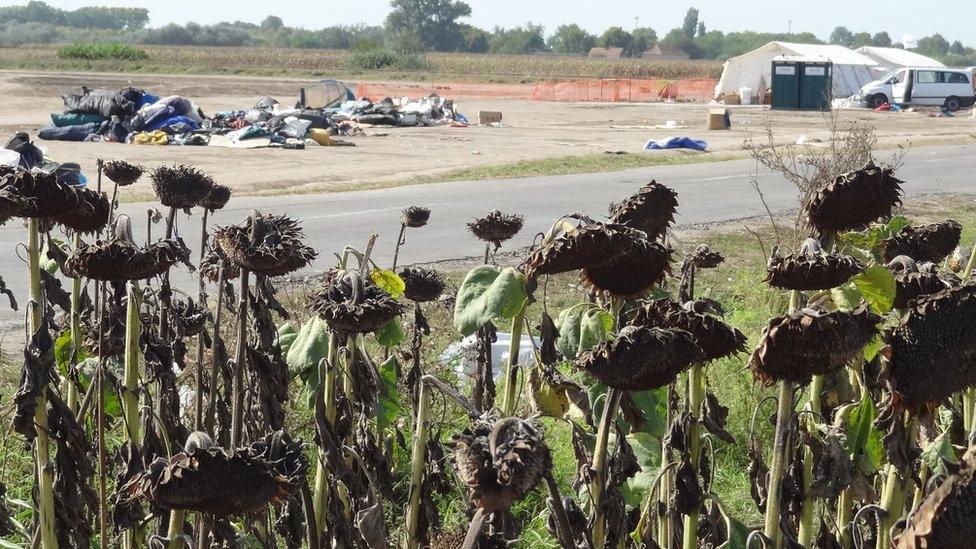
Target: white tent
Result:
[895, 58]
[851, 70]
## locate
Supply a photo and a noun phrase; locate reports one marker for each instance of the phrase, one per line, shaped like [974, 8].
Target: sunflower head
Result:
[180, 186]
[496, 227]
[631, 273]
[415, 216]
[811, 269]
[945, 517]
[122, 173]
[932, 242]
[587, 246]
[854, 200]
[422, 284]
[352, 304]
[120, 259]
[216, 198]
[641, 358]
[716, 338]
[271, 245]
[43, 196]
[650, 210]
[499, 461]
[912, 282]
[704, 257]
[210, 265]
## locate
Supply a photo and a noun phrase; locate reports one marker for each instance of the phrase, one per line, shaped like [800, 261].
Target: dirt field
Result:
[533, 130]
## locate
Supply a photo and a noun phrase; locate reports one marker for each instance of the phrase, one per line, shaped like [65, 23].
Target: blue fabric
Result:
[676, 143]
[173, 122]
[146, 99]
[69, 133]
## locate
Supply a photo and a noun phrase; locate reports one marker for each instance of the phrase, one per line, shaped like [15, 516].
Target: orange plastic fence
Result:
[596, 90]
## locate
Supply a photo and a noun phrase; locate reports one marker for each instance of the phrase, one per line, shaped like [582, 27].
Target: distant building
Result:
[606, 53]
[665, 53]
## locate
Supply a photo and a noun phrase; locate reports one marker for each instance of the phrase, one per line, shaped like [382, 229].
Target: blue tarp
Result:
[675, 143]
[179, 124]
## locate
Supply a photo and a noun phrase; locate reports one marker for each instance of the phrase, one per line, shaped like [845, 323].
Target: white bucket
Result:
[745, 96]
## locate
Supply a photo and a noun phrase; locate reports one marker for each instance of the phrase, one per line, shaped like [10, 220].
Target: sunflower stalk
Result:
[240, 357]
[894, 492]
[198, 397]
[76, 333]
[512, 367]
[328, 369]
[215, 367]
[417, 467]
[599, 467]
[130, 398]
[696, 389]
[806, 532]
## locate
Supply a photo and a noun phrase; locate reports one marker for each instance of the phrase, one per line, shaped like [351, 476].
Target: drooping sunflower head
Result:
[120, 259]
[271, 245]
[704, 257]
[496, 227]
[854, 200]
[641, 358]
[422, 285]
[932, 242]
[352, 304]
[716, 338]
[190, 318]
[945, 517]
[180, 186]
[216, 198]
[632, 272]
[650, 210]
[122, 173]
[808, 342]
[912, 282]
[590, 245]
[499, 460]
[210, 265]
[40, 195]
[810, 269]
[415, 216]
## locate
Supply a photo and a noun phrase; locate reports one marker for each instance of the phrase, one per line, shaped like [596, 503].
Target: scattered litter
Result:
[616, 152]
[463, 356]
[676, 143]
[802, 139]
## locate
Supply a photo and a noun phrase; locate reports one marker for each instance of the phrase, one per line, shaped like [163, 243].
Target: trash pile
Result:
[325, 110]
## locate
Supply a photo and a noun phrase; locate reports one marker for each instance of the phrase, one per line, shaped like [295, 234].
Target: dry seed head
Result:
[121, 260]
[180, 186]
[44, 197]
[912, 283]
[496, 227]
[716, 338]
[926, 243]
[352, 304]
[808, 343]
[854, 200]
[650, 210]
[631, 273]
[271, 245]
[210, 265]
[641, 358]
[415, 216]
[122, 173]
[422, 285]
[945, 517]
[217, 198]
[811, 269]
[587, 246]
[499, 461]
[704, 258]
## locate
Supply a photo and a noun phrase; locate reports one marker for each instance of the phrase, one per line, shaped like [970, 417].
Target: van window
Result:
[927, 77]
[898, 78]
[954, 78]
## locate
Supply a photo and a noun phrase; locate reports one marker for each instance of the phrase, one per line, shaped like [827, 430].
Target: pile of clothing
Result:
[432, 110]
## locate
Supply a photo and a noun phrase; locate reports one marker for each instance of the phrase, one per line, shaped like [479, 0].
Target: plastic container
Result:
[745, 96]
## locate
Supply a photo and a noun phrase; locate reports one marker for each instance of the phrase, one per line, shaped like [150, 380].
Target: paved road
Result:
[709, 192]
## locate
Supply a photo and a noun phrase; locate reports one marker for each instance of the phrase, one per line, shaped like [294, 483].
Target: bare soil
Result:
[531, 131]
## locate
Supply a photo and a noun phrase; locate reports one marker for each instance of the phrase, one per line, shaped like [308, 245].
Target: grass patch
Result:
[101, 51]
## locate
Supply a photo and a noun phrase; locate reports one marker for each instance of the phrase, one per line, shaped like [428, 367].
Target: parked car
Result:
[949, 88]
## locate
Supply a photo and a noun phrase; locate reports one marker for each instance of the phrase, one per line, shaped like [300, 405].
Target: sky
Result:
[897, 17]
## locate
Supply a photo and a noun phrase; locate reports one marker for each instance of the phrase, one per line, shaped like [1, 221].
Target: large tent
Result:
[851, 70]
[896, 58]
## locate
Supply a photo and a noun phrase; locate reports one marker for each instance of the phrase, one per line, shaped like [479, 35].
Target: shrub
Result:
[380, 58]
[93, 52]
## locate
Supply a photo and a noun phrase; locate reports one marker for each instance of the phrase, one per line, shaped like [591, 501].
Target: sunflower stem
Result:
[599, 467]
[400, 242]
[45, 469]
[76, 333]
[563, 530]
[130, 398]
[329, 370]
[696, 395]
[778, 469]
[664, 519]
[809, 503]
[175, 532]
[240, 357]
[215, 368]
[202, 297]
[511, 368]
[893, 493]
[417, 467]
[845, 514]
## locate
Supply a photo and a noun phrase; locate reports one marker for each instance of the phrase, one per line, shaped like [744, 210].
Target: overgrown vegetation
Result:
[101, 51]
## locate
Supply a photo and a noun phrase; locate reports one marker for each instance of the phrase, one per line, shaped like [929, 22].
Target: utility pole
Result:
[789, 27]
[636, 22]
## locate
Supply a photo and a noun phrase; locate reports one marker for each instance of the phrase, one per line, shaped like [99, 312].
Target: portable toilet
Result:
[801, 85]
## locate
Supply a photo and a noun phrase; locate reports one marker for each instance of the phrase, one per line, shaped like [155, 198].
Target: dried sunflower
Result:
[631, 273]
[808, 343]
[180, 186]
[415, 217]
[190, 318]
[926, 243]
[121, 259]
[587, 246]
[44, 197]
[11, 204]
[422, 284]
[810, 269]
[496, 227]
[931, 354]
[122, 173]
[500, 461]
[352, 304]
[216, 198]
[912, 283]
[854, 200]
[704, 258]
[272, 245]
[945, 518]
[716, 338]
[641, 358]
[650, 210]
[210, 265]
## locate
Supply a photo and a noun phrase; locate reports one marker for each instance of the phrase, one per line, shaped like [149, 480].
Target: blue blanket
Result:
[675, 143]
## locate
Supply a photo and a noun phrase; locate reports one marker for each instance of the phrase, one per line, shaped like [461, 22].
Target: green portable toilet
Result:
[802, 84]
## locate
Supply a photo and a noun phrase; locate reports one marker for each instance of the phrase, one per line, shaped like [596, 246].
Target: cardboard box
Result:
[718, 119]
[731, 99]
[489, 117]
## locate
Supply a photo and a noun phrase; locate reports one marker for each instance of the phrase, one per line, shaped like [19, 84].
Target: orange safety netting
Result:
[596, 90]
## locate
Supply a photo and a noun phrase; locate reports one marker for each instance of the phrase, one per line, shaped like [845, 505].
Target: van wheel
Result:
[952, 104]
[877, 100]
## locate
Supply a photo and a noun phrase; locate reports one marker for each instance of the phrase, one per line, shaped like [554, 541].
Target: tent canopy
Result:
[851, 70]
[894, 58]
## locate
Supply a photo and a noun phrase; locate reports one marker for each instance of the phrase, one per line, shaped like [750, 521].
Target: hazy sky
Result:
[897, 17]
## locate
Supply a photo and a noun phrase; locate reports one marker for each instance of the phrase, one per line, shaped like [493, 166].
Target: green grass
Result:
[101, 51]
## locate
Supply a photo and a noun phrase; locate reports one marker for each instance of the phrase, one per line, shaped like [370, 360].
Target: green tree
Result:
[432, 23]
[934, 45]
[842, 37]
[571, 39]
[644, 38]
[701, 30]
[678, 39]
[616, 37]
[272, 23]
[475, 40]
[881, 40]
[690, 24]
[957, 48]
[861, 39]
[527, 39]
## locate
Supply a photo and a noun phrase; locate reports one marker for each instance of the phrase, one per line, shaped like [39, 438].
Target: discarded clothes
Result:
[75, 119]
[675, 143]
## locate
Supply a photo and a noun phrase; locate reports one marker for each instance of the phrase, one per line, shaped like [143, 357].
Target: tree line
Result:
[424, 25]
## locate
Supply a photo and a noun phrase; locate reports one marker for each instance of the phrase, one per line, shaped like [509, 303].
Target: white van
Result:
[949, 88]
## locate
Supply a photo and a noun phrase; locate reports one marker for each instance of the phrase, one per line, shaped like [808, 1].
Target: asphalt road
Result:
[709, 192]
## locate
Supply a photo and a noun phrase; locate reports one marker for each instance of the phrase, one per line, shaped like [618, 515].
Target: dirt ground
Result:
[532, 130]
